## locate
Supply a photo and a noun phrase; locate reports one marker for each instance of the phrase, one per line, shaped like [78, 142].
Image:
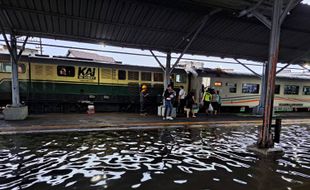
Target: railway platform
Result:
[123, 121]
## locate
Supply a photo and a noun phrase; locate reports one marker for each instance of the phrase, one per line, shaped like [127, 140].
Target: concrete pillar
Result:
[15, 84]
[16, 111]
[265, 137]
[167, 70]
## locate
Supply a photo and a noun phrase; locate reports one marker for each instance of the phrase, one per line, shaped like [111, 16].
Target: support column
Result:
[16, 111]
[15, 84]
[167, 70]
[264, 83]
[265, 136]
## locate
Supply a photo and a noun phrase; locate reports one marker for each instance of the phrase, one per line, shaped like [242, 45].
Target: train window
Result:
[277, 89]
[232, 87]
[121, 75]
[146, 76]
[21, 68]
[158, 77]
[180, 78]
[7, 68]
[133, 75]
[65, 71]
[291, 89]
[306, 90]
[250, 88]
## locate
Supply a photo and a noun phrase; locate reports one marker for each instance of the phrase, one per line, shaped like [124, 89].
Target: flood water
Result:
[187, 158]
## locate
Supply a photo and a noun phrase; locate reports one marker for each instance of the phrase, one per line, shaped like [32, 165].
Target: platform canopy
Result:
[231, 29]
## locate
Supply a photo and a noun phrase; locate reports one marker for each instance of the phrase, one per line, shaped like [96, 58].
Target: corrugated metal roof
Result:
[91, 56]
[160, 25]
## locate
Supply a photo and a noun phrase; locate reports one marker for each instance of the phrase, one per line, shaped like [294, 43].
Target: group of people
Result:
[187, 104]
[212, 101]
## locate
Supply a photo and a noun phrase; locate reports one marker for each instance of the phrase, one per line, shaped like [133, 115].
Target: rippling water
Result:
[210, 158]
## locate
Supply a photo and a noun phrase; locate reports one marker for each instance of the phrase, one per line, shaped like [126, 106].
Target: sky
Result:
[142, 60]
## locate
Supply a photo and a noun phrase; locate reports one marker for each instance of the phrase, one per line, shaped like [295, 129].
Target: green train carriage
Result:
[62, 84]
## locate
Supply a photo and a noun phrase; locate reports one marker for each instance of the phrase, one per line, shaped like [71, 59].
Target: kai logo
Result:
[87, 73]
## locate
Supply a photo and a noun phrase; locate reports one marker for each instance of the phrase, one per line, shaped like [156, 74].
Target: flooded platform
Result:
[163, 158]
[124, 121]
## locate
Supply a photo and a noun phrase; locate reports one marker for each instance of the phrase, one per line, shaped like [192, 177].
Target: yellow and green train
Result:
[62, 84]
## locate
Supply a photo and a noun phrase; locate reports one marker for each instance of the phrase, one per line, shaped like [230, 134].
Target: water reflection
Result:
[210, 158]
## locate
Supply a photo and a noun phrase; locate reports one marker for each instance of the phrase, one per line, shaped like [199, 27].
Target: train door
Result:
[205, 83]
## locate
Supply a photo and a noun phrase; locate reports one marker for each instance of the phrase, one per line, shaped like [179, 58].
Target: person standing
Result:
[214, 102]
[219, 102]
[143, 100]
[182, 100]
[169, 95]
[190, 100]
[206, 98]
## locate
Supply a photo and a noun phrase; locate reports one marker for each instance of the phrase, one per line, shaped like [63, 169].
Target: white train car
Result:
[242, 91]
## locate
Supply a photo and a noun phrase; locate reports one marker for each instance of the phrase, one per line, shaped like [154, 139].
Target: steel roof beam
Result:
[203, 22]
[262, 19]
[248, 68]
[160, 64]
[278, 71]
[307, 69]
[294, 61]
[251, 9]
[291, 4]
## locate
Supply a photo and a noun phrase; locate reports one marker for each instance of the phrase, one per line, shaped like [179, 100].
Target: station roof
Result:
[161, 25]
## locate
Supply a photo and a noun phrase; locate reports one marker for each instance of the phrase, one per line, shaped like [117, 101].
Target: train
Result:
[64, 84]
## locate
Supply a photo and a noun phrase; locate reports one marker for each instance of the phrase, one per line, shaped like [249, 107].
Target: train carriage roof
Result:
[162, 25]
[201, 72]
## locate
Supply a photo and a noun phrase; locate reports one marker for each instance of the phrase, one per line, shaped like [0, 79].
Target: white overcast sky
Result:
[139, 60]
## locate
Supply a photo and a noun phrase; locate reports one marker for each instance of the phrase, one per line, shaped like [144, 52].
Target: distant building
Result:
[27, 51]
[91, 56]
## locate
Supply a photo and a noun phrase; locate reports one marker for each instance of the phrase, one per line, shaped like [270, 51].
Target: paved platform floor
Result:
[119, 121]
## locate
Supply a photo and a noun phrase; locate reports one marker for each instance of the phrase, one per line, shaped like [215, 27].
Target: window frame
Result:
[118, 74]
[257, 85]
[136, 72]
[231, 86]
[276, 88]
[285, 92]
[303, 90]
[72, 68]
[144, 72]
[182, 76]
[157, 73]
[20, 65]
